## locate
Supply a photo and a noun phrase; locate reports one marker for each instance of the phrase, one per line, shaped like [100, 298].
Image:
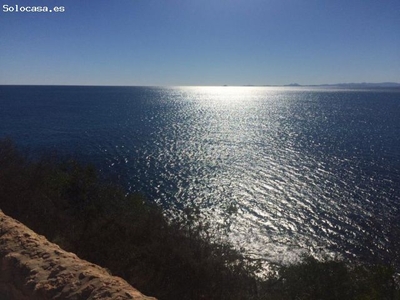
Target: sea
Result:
[275, 171]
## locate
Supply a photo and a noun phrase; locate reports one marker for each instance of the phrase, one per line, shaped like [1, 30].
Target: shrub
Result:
[70, 205]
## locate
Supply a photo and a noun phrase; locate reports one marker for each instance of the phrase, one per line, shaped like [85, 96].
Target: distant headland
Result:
[350, 85]
[362, 85]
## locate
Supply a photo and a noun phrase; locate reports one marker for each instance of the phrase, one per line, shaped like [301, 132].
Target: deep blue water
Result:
[306, 169]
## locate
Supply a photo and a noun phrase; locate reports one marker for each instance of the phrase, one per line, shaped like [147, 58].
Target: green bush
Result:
[70, 205]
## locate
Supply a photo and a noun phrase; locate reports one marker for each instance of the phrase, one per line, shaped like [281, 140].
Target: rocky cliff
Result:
[33, 268]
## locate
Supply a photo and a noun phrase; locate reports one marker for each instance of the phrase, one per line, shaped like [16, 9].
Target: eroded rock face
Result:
[33, 268]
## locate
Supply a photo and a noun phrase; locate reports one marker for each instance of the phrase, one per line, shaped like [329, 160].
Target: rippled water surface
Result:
[282, 169]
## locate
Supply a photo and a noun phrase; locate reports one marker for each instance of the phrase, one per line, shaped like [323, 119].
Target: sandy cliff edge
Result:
[33, 268]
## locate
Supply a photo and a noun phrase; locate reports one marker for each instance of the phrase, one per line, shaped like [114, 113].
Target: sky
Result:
[200, 42]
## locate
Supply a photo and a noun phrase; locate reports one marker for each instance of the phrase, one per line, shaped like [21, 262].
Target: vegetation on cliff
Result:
[69, 204]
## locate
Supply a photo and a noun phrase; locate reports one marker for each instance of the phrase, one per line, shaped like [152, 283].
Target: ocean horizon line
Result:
[330, 85]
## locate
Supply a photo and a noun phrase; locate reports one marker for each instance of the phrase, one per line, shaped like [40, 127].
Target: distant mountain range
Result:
[354, 85]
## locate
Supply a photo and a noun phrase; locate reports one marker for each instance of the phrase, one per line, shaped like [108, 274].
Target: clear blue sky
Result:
[202, 42]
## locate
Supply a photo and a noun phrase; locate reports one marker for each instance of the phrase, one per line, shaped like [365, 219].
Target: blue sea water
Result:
[276, 170]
